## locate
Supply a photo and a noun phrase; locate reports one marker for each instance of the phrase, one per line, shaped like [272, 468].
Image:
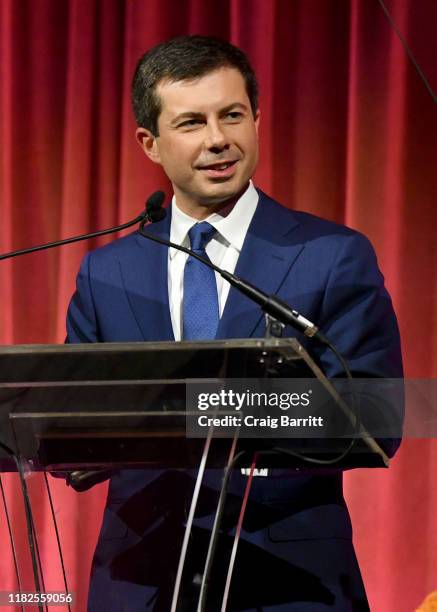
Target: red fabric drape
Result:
[348, 132]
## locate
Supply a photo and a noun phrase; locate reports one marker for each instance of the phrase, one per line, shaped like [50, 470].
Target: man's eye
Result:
[234, 115]
[190, 123]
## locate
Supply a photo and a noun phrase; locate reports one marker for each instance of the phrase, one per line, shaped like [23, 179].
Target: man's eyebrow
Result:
[233, 106]
[197, 115]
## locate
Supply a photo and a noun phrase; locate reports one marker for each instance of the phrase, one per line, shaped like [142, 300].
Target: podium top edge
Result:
[98, 347]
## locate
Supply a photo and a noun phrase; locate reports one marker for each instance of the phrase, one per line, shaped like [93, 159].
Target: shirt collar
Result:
[233, 228]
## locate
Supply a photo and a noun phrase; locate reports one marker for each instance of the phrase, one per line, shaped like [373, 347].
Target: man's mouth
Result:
[219, 169]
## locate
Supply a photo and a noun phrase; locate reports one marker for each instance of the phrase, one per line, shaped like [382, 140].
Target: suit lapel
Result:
[144, 271]
[265, 259]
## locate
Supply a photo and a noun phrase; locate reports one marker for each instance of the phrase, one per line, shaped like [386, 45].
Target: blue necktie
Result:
[201, 308]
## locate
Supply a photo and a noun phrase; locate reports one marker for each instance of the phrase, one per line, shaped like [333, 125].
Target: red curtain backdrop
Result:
[348, 132]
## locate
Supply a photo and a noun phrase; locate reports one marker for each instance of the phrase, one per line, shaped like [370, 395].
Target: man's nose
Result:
[215, 137]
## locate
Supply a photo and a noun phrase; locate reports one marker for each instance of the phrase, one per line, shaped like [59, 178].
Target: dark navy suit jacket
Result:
[296, 553]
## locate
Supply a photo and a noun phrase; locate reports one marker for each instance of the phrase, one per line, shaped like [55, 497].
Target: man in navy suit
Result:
[195, 101]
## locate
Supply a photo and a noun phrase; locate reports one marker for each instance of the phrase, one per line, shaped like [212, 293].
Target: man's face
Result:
[208, 139]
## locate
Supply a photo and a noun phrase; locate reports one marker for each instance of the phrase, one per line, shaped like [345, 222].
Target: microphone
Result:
[152, 212]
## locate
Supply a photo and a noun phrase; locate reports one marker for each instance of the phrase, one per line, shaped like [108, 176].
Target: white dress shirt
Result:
[223, 249]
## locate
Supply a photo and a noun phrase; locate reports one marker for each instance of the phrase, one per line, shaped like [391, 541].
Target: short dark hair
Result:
[179, 59]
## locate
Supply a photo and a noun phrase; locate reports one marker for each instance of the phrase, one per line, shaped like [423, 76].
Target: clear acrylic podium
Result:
[87, 410]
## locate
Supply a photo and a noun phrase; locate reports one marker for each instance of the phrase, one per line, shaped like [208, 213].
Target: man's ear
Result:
[147, 142]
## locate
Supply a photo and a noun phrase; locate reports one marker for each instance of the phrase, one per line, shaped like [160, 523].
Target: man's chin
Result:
[210, 198]
[221, 193]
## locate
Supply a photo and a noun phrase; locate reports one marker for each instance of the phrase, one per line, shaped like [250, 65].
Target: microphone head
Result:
[155, 201]
[154, 211]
